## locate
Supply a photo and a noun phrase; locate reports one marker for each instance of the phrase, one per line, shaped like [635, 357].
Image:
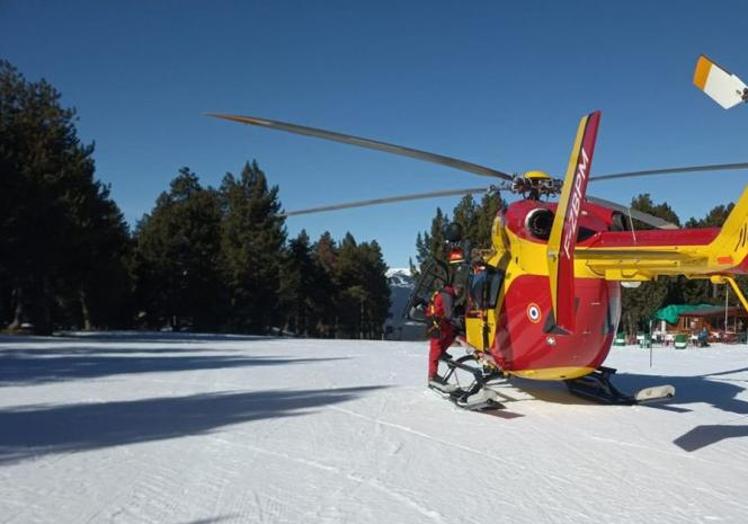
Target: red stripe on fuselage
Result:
[740, 269]
[652, 238]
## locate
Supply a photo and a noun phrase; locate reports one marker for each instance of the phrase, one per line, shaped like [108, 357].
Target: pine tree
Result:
[437, 242]
[432, 244]
[466, 215]
[98, 261]
[325, 256]
[351, 295]
[363, 297]
[714, 218]
[177, 257]
[489, 207]
[431, 247]
[300, 300]
[643, 202]
[60, 233]
[252, 239]
[377, 286]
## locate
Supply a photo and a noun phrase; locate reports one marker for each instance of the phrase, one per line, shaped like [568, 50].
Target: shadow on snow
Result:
[109, 349]
[714, 389]
[158, 336]
[134, 337]
[40, 430]
[40, 366]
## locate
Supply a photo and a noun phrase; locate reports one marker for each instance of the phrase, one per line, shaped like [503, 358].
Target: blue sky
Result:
[497, 83]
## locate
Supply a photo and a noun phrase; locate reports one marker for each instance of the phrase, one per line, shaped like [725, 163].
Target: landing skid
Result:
[597, 387]
[464, 383]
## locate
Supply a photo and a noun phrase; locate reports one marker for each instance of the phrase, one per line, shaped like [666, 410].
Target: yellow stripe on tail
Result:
[730, 248]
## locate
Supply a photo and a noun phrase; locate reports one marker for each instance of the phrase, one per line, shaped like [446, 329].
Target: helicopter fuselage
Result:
[516, 326]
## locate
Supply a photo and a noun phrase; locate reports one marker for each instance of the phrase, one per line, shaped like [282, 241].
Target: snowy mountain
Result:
[400, 277]
[396, 327]
[175, 427]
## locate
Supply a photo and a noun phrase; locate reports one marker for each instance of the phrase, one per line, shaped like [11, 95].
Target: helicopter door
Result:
[480, 319]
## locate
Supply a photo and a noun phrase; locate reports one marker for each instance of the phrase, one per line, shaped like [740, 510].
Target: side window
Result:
[496, 279]
[485, 288]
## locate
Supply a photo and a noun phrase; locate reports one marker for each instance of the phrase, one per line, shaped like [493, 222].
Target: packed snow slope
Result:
[200, 428]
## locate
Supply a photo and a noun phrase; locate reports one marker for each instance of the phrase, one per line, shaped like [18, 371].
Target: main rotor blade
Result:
[367, 143]
[641, 216]
[674, 170]
[385, 200]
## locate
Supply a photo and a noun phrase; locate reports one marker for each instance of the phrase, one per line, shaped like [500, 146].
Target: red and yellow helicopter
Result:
[545, 301]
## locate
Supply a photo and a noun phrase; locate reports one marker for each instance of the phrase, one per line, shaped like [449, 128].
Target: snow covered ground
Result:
[189, 428]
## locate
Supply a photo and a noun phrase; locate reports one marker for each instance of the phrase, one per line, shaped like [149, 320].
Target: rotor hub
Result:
[534, 185]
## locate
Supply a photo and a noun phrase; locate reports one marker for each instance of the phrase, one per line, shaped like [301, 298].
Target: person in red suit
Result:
[442, 332]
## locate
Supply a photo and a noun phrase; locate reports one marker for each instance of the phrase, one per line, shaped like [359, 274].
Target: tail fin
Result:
[565, 228]
[730, 248]
[719, 84]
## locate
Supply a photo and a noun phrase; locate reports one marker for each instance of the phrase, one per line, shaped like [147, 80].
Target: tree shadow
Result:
[703, 436]
[108, 349]
[124, 342]
[164, 337]
[720, 393]
[41, 366]
[713, 389]
[41, 430]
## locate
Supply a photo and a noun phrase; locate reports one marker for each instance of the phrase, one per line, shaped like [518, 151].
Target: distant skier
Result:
[442, 331]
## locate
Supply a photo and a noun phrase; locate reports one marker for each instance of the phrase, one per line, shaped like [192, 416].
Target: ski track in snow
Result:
[139, 427]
